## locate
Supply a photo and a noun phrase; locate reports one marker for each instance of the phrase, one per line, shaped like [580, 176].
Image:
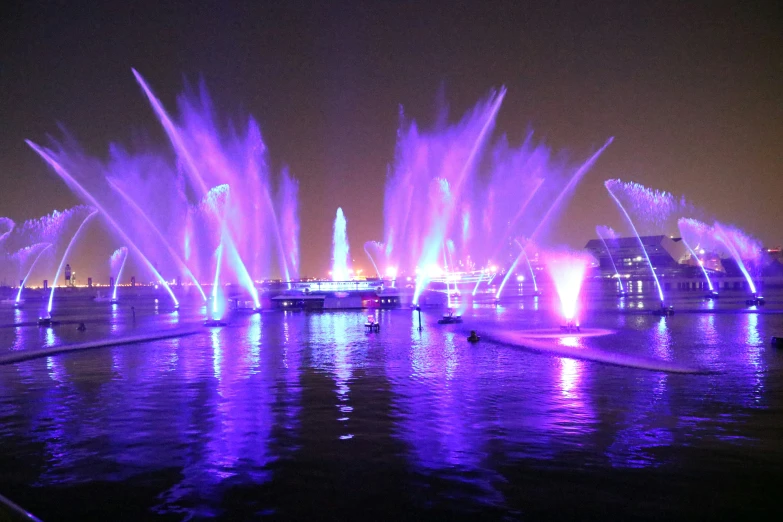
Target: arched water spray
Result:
[71, 182]
[372, 260]
[119, 257]
[532, 273]
[159, 234]
[65, 255]
[609, 252]
[30, 271]
[514, 266]
[701, 265]
[641, 243]
[732, 238]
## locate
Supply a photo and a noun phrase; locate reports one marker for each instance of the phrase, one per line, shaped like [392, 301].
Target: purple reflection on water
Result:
[661, 339]
[753, 354]
[642, 431]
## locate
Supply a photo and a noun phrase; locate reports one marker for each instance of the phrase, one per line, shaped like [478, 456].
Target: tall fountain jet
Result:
[567, 270]
[340, 248]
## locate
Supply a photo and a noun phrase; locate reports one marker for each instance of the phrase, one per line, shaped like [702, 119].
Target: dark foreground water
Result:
[306, 416]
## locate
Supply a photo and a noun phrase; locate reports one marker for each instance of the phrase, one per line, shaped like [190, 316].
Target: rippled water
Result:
[304, 415]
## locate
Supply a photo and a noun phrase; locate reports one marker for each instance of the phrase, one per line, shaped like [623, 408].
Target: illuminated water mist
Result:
[340, 249]
[65, 255]
[555, 205]
[6, 227]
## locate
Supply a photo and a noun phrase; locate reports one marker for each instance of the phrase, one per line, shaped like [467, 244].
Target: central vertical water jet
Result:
[340, 248]
[567, 270]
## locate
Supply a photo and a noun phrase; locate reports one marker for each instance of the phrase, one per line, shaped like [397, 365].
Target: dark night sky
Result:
[692, 94]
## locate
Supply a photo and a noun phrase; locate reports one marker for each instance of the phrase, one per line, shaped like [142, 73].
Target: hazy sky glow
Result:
[691, 94]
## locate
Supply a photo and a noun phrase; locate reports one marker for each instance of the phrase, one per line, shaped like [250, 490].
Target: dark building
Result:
[666, 254]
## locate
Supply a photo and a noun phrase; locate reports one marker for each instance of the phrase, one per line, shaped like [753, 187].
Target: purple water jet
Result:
[216, 307]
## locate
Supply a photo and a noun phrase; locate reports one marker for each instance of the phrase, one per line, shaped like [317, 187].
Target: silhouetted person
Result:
[81, 327]
[133, 310]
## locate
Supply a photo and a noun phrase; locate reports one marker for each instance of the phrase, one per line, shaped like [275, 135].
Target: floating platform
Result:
[450, 318]
[570, 328]
[214, 322]
[372, 327]
[756, 300]
[664, 311]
